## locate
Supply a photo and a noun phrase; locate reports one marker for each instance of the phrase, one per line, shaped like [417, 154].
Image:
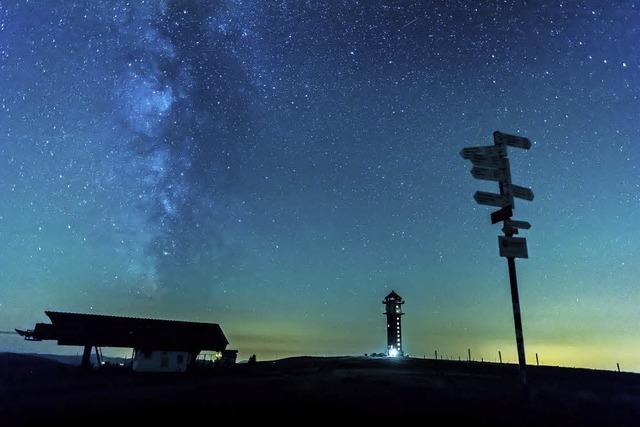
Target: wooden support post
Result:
[86, 357]
[517, 320]
[98, 356]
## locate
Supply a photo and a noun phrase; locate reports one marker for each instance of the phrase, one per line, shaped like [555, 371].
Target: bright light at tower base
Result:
[393, 352]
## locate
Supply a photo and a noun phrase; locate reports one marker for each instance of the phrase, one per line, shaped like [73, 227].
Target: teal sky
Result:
[279, 168]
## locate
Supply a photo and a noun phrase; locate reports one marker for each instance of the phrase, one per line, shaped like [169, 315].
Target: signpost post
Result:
[492, 164]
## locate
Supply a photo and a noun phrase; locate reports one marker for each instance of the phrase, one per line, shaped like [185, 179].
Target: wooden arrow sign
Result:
[521, 192]
[512, 140]
[472, 153]
[501, 214]
[488, 174]
[488, 162]
[518, 224]
[491, 199]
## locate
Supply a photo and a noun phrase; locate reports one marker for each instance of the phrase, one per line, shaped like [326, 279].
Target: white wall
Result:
[160, 361]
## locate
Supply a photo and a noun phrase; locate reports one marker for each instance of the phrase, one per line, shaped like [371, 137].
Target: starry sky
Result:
[279, 167]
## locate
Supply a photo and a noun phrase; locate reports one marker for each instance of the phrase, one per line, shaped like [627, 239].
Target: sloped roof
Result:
[134, 332]
[393, 296]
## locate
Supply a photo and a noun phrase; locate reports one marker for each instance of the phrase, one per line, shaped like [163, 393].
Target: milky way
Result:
[278, 167]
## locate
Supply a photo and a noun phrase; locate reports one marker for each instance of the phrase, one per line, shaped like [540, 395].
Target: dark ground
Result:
[37, 391]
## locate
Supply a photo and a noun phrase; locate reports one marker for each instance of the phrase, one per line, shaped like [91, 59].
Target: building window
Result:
[164, 362]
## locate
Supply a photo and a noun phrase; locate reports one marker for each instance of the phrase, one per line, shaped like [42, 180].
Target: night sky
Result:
[279, 167]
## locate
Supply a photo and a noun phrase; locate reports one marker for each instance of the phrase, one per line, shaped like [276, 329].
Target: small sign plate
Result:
[513, 247]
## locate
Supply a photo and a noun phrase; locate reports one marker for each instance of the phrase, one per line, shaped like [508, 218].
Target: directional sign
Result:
[471, 153]
[521, 192]
[511, 140]
[491, 199]
[489, 162]
[518, 224]
[492, 164]
[501, 214]
[515, 247]
[489, 174]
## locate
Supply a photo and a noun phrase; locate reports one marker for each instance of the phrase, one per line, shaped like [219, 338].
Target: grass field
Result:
[305, 389]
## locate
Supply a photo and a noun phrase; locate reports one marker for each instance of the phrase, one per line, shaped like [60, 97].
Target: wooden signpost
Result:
[491, 163]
